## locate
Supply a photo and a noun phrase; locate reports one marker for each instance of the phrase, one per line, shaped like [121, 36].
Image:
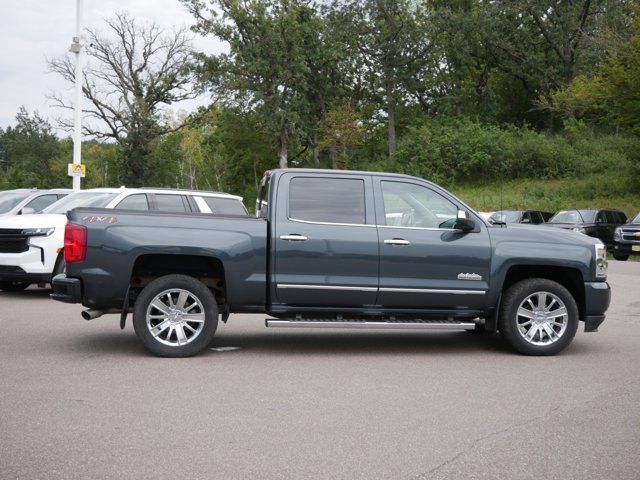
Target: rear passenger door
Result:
[325, 241]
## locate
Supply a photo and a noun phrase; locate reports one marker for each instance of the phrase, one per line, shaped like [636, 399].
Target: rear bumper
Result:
[67, 290]
[597, 297]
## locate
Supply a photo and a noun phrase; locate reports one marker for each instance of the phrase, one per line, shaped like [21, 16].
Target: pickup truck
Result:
[332, 248]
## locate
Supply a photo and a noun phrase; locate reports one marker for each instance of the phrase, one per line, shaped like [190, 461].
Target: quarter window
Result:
[328, 200]
[411, 205]
[225, 206]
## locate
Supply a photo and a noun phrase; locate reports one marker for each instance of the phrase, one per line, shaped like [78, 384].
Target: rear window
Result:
[328, 200]
[225, 206]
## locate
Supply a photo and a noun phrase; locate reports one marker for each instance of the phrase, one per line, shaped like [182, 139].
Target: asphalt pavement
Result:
[84, 400]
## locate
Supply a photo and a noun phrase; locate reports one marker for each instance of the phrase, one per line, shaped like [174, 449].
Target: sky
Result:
[33, 30]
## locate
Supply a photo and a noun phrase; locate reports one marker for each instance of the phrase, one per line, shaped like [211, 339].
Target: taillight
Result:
[75, 243]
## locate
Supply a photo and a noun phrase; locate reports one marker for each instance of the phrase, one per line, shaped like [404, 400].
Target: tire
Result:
[532, 330]
[14, 286]
[622, 258]
[160, 316]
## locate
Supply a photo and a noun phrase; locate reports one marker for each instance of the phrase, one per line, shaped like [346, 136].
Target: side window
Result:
[610, 216]
[41, 202]
[225, 206]
[329, 200]
[536, 217]
[171, 203]
[411, 205]
[601, 217]
[528, 217]
[134, 202]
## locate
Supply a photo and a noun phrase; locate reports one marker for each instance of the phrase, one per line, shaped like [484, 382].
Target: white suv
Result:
[31, 245]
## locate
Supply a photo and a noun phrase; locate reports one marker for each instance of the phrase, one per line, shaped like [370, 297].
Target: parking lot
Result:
[84, 400]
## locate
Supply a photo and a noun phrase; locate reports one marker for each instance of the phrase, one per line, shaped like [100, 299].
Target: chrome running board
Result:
[372, 324]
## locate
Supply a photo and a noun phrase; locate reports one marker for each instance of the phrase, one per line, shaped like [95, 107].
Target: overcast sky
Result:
[33, 30]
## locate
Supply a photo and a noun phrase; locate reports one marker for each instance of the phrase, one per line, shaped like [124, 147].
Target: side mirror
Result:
[27, 211]
[465, 224]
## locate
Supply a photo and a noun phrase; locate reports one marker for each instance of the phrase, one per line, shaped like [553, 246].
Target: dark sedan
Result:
[596, 223]
[520, 216]
[626, 239]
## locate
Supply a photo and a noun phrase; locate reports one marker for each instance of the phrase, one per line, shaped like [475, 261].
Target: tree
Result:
[388, 38]
[28, 151]
[266, 68]
[612, 93]
[133, 73]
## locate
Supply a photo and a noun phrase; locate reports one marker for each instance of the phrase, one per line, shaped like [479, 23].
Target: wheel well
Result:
[570, 278]
[208, 270]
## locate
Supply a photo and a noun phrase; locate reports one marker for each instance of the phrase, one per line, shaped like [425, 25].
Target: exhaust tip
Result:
[91, 314]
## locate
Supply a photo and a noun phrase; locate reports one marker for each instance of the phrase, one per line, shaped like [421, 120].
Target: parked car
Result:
[520, 216]
[31, 246]
[24, 201]
[626, 239]
[600, 224]
[335, 249]
[486, 215]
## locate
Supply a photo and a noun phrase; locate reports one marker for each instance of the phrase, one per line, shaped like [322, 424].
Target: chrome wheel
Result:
[542, 318]
[175, 317]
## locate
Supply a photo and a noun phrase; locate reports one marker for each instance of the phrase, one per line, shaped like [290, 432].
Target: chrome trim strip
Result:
[326, 287]
[421, 228]
[365, 324]
[330, 223]
[432, 290]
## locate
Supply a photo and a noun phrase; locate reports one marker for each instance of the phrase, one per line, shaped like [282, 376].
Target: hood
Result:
[36, 220]
[563, 234]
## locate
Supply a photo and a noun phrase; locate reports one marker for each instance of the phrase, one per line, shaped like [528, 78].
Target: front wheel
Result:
[538, 317]
[175, 316]
[622, 258]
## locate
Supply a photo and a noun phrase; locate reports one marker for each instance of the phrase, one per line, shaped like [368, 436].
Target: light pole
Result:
[77, 47]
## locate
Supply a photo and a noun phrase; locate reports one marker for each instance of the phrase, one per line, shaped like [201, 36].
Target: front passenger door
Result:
[424, 262]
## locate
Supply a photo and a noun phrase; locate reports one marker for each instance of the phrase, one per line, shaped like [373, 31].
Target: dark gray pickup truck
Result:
[335, 249]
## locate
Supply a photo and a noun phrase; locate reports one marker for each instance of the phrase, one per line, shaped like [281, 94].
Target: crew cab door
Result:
[424, 262]
[325, 240]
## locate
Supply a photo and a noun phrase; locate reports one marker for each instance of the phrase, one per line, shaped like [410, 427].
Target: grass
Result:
[602, 190]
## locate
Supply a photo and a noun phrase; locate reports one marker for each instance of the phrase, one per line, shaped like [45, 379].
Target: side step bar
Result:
[379, 324]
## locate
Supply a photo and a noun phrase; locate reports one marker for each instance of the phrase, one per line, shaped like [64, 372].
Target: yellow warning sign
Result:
[76, 170]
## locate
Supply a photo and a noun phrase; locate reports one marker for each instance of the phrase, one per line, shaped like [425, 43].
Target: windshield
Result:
[9, 200]
[571, 216]
[80, 199]
[636, 219]
[506, 216]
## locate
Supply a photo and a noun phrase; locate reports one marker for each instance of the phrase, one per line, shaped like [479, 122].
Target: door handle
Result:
[397, 241]
[294, 237]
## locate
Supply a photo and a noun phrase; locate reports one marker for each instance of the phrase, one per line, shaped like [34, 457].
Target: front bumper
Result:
[67, 290]
[626, 248]
[597, 296]
[11, 273]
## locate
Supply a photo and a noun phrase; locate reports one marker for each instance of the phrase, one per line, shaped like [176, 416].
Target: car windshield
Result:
[506, 216]
[636, 219]
[80, 199]
[8, 200]
[571, 216]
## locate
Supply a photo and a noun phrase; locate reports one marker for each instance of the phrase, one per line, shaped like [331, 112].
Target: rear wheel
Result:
[175, 316]
[622, 258]
[14, 286]
[538, 317]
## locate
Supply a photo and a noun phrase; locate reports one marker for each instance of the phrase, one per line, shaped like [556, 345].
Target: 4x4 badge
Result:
[469, 276]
